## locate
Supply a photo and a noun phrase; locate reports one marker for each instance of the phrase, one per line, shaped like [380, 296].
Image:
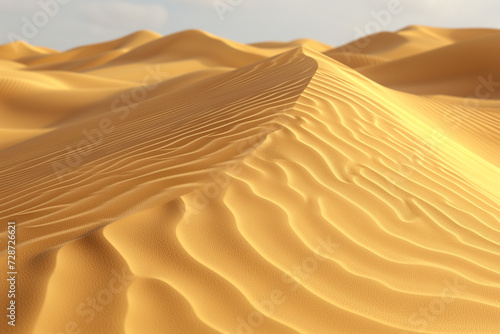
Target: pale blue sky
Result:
[62, 24]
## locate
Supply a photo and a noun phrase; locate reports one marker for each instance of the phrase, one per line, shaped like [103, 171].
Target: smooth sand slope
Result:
[192, 184]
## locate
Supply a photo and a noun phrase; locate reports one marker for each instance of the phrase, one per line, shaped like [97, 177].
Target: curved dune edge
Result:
[255, 189]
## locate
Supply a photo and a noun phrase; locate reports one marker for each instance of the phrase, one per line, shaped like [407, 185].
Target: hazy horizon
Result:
[65, 24]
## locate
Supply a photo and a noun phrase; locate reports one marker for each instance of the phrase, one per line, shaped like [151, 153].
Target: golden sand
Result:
[192, 184]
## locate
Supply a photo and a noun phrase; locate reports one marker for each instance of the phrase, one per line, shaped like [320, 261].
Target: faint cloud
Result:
[120, 14]
[330, 21]
[197, 2]
[18, 6]
[229, 3]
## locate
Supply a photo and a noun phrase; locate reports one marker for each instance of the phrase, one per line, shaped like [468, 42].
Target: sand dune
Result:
[20, 50]
[411, 41]
[303, 42]
[81, 58]
[192, 184]
[450, 70]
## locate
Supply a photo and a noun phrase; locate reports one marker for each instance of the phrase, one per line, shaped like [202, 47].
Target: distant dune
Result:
[192, 184]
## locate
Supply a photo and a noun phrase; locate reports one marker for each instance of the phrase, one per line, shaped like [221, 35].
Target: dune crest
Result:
[192, 184]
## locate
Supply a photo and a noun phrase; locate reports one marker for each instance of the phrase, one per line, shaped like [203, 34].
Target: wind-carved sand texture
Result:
[192, 184]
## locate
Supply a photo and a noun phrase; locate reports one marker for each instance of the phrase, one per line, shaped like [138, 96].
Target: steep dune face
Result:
[255, 189]
[20, 50]
[456, 69]
[411, 41]
[82, 58]
[185, 52]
